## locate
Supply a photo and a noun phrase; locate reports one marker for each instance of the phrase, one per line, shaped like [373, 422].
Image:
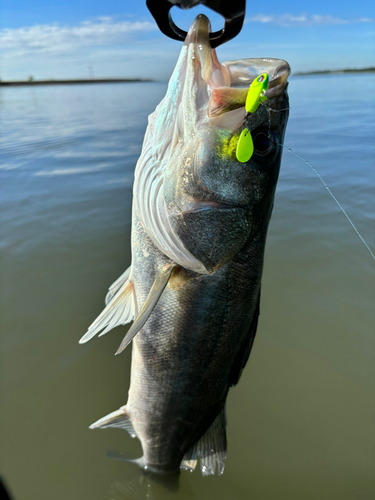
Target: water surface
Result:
[300, 422]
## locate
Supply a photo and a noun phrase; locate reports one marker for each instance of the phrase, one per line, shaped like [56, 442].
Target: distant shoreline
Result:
[334, 71]
[24, 83]
[77, 81]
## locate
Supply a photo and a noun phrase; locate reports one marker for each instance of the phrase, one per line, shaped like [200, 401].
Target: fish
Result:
[199, 226]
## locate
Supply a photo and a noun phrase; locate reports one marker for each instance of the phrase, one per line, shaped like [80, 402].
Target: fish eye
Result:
[265, 144]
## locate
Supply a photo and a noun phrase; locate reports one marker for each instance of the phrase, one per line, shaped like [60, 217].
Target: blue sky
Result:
[118, 38]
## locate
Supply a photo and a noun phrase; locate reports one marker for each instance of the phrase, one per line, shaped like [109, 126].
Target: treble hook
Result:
[233, 12]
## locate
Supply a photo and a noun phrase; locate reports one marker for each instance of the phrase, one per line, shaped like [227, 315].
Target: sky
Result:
[119, 38]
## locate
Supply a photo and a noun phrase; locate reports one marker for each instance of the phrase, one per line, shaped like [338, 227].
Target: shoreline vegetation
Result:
[32, 82]
[77, 81]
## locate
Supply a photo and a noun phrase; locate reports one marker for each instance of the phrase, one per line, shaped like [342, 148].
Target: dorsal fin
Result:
[119, 309]
[211, 448]
[161, 281]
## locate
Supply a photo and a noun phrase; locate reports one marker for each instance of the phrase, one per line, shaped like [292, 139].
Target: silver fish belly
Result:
[199, 226]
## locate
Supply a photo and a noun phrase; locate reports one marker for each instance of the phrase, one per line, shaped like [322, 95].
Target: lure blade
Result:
[254, 97]
[245, 146]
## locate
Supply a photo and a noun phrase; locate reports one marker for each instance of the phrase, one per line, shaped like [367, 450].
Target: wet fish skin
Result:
[183, 360]
[203, 214]
[243, 191]
[194, 346]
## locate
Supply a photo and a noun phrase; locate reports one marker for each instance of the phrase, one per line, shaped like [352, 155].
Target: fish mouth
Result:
[204, 58]
[221, 88]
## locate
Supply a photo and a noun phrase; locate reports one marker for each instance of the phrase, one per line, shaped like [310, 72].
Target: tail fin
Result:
[119, 309]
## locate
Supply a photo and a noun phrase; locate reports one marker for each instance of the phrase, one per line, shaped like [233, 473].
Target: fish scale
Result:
[199, 225]
[200, 372]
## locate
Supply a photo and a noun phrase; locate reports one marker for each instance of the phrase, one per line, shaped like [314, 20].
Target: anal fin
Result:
[211, 448]
[161, 281]
[119, 419]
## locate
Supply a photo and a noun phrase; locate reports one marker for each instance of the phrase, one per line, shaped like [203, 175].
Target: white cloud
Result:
[136, 49]
[105, 31]
[304, 20]
[57, 38]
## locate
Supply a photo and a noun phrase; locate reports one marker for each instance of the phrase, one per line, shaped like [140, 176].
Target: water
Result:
[300, 421]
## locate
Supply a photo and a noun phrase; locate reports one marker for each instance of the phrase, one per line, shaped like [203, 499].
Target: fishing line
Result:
[277, 110]
[332, 195]
[320, 178]
[245, 146]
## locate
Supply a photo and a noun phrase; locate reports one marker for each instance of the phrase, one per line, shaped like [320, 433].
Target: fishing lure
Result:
[255, 96]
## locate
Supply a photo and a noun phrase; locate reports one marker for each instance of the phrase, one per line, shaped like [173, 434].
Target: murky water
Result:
[300, 422]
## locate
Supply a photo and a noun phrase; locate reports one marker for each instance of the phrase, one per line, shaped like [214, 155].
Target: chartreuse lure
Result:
[255, 97]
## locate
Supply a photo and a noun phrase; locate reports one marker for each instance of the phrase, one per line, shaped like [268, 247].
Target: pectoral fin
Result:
[157, 288]
[115, 287]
